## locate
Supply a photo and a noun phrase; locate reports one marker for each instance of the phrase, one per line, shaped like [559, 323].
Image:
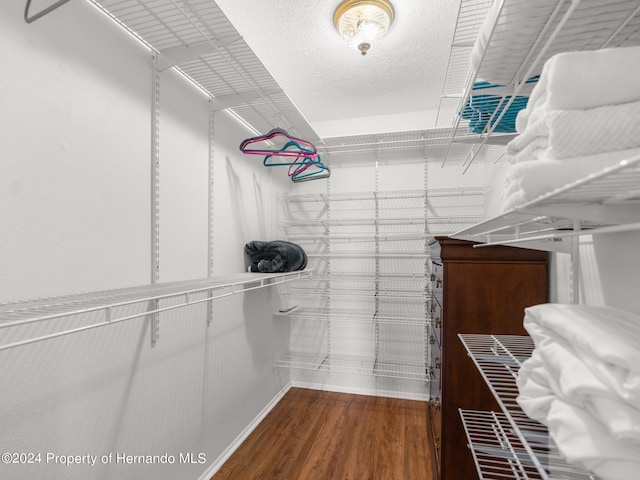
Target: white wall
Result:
[74, 195]
[75, 130]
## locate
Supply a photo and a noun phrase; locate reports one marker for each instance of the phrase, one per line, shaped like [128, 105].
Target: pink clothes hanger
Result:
[249, 146]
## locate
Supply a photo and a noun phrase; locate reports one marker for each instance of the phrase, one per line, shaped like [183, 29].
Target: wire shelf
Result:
[349, 222]
[107, 306]
[352, 196]
[507, 42]
[432, 142]
[605, 201]
[499, 453]
[386, 194]
[408, 277]
[499, 358]
[405, 255]
[410, 315]
[381, 295]
[355, 365]
[197, 38]
[320, 316]
[410, 289]
[395, 237]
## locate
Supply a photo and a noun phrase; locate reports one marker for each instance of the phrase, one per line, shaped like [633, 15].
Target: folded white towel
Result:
[556, 371]
[605, 339]
[589, 79]
[584, 441]
[527, 180]
[621, 419]
[570, 133]
[581, 381]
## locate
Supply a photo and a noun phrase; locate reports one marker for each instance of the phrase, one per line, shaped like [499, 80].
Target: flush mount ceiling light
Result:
[363, 23]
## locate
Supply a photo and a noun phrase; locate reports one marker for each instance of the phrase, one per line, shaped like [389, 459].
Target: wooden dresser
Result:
[476, 290]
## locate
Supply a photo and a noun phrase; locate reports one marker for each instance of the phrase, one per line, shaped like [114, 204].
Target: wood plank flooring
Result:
[317, 435]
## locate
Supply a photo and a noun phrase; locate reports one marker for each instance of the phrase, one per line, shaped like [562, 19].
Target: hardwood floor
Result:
[317, 435]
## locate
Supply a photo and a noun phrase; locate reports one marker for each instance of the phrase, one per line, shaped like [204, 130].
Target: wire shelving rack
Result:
[510, 443]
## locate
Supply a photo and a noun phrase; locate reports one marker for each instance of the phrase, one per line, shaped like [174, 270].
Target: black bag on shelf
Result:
[276, 256]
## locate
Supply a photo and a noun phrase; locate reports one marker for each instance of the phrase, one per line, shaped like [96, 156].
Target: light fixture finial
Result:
[363, 23]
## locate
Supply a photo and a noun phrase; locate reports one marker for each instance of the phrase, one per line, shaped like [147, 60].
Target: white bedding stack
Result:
[583, 382]
[583, 115]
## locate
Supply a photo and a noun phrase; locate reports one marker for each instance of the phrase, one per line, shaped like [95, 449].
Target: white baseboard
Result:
[362, 391]
[215, 466]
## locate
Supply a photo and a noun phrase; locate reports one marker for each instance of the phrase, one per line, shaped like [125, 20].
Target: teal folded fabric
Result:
[480, 108]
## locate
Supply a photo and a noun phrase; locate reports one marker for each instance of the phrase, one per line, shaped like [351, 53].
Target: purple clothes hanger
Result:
[307, 149]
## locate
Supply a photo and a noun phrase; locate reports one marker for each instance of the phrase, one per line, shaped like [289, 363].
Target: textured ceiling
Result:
[328, 81]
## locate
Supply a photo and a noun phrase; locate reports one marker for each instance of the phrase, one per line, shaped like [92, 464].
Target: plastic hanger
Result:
[42, 12]
[307, 158]
[304, 147]
[310, 171]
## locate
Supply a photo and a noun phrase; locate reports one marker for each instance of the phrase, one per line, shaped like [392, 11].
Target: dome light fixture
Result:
[363, 23]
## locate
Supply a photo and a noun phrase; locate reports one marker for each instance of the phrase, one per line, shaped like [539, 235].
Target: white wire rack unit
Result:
[195, 37]
[104, 308]
[366, 312]
[388, 368]
[434, 142]
[604, 202]
[506, 42]
[520, 444]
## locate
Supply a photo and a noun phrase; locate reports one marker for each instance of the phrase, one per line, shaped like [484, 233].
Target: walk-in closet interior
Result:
[465, 193]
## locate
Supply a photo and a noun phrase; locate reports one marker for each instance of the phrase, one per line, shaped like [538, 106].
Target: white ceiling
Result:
[397, 85]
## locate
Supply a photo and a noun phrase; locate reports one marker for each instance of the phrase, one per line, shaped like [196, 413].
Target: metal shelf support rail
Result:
[498, 359]
[106, 302]
[155, 192]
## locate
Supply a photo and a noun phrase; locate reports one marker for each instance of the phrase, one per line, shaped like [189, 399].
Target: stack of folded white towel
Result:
[583, 382]
[583, 115]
